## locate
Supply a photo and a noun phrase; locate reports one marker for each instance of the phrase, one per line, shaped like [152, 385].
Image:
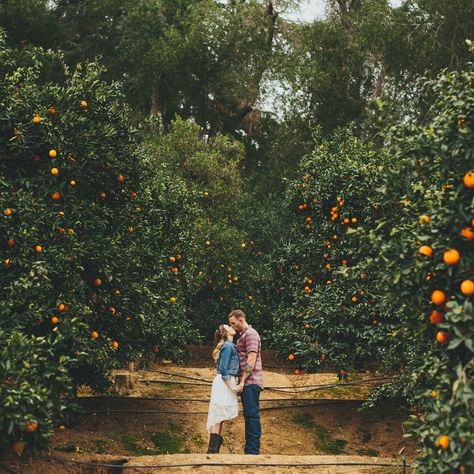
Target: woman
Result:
[224, 404]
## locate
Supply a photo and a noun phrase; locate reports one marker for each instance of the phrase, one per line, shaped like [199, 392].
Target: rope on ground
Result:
[404, 465]
[171, 412]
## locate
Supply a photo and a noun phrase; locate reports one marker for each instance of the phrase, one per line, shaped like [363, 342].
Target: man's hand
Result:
[240, 387]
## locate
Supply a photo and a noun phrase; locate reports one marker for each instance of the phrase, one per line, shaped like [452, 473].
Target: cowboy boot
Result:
[219, 443]
[213, 444]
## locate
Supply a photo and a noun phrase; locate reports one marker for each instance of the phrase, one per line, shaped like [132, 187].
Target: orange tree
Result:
[425, 260]
[328, 308]
[87, 227]
[225, 261]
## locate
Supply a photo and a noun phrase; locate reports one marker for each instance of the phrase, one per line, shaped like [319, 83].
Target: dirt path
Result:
[140, 433]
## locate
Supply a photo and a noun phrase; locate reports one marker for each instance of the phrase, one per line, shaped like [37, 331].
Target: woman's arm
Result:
[224, 360]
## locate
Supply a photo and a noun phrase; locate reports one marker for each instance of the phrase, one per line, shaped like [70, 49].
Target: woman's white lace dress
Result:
[224, 404]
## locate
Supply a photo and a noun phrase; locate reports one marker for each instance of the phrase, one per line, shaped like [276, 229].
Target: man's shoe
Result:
[213, 443]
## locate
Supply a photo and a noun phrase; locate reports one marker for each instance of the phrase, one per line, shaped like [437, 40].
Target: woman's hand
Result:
[232, 385]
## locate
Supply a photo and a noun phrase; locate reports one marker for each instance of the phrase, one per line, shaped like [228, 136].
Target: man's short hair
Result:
[237, 314]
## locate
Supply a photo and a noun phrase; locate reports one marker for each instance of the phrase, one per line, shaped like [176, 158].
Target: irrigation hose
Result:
[220, 464]
[207, 400]
[204, 381]
[171, 412]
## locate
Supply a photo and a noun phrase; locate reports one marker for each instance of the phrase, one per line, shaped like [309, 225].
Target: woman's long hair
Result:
[220, 336]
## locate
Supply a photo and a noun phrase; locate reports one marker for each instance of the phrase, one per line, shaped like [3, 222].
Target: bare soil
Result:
[333, 431]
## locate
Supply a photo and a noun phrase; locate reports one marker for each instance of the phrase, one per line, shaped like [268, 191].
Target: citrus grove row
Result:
[122, 242]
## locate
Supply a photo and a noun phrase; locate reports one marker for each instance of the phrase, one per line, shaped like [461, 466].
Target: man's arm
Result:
[251, 360]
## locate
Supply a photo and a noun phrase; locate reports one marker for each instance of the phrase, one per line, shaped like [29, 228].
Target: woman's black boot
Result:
[219, 443]
[213, 443]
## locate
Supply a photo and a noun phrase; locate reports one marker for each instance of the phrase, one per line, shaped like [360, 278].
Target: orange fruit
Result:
[467, 287]
[344, 262]
[38, 248]
[173, 299]
[451, 257]
[112, 310]
[31, 426]
[342, 372]
[71, 231]
[115, 345]
[434, 393]
[467, 233]
[297, 372]
[120, 178]
[208, 242]
[442, 337]
[61, 307]
[133, 194]
[97, 282]
[436, 317]
[8, 261]
[72, 182]
[62, 427]
[8, 211]
[83, 103]
[424, 219]
[36, 119]
[54, 320]
[52, 110]
[443, 441]
[53, 153]
[438, 297]
[354, 299]
[179, 258]
[103, 195]
[426, 250]
[172, 259]
[54, 171]
[301, 207]
[175, 269]
[354, 220]
[243, 244]
[18, 447]
[94, 334]
[307, 289]
[291, 357]
[56, 195]
[469, 179]
[11, 243]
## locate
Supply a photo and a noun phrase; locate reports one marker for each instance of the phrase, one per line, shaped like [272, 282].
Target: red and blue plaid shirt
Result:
[249, 341]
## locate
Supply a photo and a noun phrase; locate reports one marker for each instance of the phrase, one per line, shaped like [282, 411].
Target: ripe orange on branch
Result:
[426, 250]
[451, 257]
[467, 287]
[436, 317]
[53, 153]
[467, 233]
[438, 297]
[469, 179]
[442, 337]
[443, 441]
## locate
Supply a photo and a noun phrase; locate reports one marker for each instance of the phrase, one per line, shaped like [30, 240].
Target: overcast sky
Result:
[309, 10]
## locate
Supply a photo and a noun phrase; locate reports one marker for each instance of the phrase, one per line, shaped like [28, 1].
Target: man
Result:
[251, 378]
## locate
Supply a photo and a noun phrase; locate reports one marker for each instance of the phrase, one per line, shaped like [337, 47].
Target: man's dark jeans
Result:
[253, 431]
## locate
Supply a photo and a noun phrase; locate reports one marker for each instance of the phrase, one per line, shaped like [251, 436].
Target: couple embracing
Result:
[239, 372]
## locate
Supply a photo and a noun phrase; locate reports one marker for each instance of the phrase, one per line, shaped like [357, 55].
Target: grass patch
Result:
[170, 441]
[100, 446]
[325, 442]
[130, 443]
[367, 452]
